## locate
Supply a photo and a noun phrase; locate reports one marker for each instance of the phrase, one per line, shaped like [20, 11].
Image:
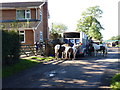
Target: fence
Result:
[29, 50]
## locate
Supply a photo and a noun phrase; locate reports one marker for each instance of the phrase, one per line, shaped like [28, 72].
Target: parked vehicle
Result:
[81, 51]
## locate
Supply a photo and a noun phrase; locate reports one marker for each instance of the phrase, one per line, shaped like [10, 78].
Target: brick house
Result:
[30, 19]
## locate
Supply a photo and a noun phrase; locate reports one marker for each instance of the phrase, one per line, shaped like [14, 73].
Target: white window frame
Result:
[41, 16]
[25, 14]
[22, 34]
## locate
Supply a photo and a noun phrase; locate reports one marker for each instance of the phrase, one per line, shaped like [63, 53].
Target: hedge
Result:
[10, 47]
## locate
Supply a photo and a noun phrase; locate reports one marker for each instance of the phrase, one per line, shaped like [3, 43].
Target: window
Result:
[40, 16]
[71, 41]
[71, 35]
[41, 36]
[23, 14]
[22, 36]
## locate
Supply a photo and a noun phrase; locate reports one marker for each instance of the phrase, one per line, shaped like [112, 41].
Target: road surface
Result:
[83, 72]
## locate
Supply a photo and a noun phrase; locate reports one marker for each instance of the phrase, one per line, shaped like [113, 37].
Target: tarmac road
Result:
[84, 72]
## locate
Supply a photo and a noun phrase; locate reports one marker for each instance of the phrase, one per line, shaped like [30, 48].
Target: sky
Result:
[68, 12]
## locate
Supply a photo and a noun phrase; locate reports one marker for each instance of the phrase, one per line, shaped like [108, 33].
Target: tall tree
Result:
[56, 30]
[89, 23]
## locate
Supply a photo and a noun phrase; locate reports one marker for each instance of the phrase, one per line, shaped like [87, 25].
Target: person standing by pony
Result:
[90, 41]
[90, 47]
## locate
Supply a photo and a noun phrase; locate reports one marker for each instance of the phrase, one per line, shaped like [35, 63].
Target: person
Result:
[89, 46]
[90, 40]
[80, 43]
[37, 47]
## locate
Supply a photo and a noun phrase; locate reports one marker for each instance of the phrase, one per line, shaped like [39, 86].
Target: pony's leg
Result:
[55, 56]
[69, 55]
[103, 52]
[62, 54]
[66, 55]
[95, 53]
[73, 56]
[106, 52]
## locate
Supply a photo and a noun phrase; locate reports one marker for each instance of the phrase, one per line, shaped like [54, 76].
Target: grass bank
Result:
[115, 82]
[22, 65]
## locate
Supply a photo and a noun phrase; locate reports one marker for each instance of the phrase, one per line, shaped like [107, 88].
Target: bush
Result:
[117, 45]
[115, 83]
[10, 47]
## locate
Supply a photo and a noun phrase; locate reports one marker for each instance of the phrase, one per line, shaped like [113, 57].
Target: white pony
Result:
[75, 49]
[57, 47]
[102, 47]
[67, 52]
[70, 51]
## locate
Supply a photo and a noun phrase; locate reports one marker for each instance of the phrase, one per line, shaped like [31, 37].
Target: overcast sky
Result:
[69, 12]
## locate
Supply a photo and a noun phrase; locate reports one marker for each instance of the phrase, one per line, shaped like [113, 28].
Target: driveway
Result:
[83, 72]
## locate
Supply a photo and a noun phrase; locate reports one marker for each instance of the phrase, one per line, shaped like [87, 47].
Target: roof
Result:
[21, 4]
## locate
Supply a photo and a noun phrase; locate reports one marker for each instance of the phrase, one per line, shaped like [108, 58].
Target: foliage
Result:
[89, 23]
[115, 83]
[54, 36]
[115, 37]
[56, 30]
[10, 47]
[117, 45]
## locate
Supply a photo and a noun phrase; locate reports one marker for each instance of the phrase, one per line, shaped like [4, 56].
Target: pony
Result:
[70, 52]
[102, 48]
[65, 51]
[59, 49]
[75, 49]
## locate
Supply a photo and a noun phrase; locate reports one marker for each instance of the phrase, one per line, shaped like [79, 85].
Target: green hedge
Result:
[10, 47]
[115, 82]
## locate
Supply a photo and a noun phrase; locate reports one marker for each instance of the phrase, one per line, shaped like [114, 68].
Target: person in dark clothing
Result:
[90, 40]
[89, 46]
[37, 47]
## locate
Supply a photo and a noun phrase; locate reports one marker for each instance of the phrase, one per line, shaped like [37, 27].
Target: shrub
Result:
[115, 83]
[10, 47]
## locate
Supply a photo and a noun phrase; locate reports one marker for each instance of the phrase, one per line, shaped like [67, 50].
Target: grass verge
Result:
[115, 82]
[22, 65]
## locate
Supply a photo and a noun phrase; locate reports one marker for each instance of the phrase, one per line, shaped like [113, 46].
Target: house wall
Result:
[9, 14]
[33, 13]
[40, 27]
[45, 21]
[43, 27]
[29, 37]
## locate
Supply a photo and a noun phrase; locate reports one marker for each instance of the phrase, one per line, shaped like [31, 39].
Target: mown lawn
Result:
[22, 65]
[115, 82]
